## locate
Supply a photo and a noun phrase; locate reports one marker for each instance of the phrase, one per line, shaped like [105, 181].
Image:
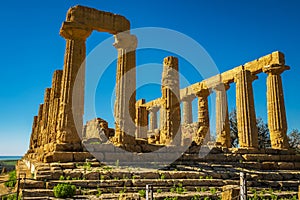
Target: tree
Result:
[233, 128]
[262, 128]
[294, 139]
[263, 134]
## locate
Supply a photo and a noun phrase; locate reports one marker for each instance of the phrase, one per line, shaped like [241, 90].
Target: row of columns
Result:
[67, 110]
[246, 117]
[60, 118]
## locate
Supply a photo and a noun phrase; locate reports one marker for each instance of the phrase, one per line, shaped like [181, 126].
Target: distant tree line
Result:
[263, 133]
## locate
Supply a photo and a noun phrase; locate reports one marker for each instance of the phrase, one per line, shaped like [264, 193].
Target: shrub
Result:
[159, 190]
[142, 193]
[12, 180]
[64, 190]
[10, 197]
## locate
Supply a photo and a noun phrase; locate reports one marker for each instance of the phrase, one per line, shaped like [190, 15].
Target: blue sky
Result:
[232, 32]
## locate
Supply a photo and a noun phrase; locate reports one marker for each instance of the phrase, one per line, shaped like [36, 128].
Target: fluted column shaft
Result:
[124, 110]
[39, 126]
[45, 116]
[153, 118]
[222, 117]
[203, 118]
[187, 109]
[54, 105]
[245, 111]
[141, 119]
[170, 126]
[72, 98]
[33, 137]
[276, 107]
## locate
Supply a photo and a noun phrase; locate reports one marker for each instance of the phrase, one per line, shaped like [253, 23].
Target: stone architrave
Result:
[141, 119]
[170, 103]
[74, 68]
[187, 109]
[203, 117]
[276, 108]
[245, 111]
[153, 118]
[54, 105]
[222, 117]
[45, 114]
[124, 110]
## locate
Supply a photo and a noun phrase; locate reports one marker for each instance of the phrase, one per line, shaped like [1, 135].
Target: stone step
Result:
[144, 182]
[37, 193]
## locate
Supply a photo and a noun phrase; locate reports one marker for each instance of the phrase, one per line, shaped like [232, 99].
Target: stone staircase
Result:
[194, 181]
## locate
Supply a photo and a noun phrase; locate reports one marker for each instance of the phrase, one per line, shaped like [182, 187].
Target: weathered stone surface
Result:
[81, 156]
[203, 118]
[230, 192]
[222, 118]
[187, 109]
[141, 119]
[170, 108]
[153, 118]
[96, 131]
[276, 108]
[72, 100]
[245, 111]
[124, 111]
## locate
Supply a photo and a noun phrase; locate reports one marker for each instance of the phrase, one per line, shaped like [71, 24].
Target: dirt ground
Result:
[3, 189]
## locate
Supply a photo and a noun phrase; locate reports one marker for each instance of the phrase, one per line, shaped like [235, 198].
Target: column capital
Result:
[73, 31]
[275, 69]
[125, 40]
[222, 87]
[240, 74]
[153, 108]
[203, 93]
[188, 97]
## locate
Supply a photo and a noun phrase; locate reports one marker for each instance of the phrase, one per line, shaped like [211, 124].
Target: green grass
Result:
[8, 162]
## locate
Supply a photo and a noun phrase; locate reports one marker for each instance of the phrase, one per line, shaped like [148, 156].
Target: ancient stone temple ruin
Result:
[58, 132]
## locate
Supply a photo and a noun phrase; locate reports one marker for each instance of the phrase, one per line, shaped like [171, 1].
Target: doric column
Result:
[141, 119]
[39, 125]
[33, 137]
[72, 99]
[222, 118]
[187, 109]
[170, 107]
[153, 118]
[203, 117]
[276, 108]
[124, 110]
[45, 115]
[54, 105]
[245, 111]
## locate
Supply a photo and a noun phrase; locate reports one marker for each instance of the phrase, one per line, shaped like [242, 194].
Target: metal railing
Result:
[18, 180]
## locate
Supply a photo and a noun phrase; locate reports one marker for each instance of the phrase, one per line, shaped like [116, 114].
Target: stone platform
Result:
[190, 175]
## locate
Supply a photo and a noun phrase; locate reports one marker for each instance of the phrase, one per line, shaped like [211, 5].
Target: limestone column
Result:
[203, 117]
[170, 107]
[74, 68]
[222, 117]
[39, 125]
[245, 111]
[124, 110]
[153, 118]
[33, 137]
[276, 107]
[187, 109]
[45, 116]
[141, 119]
[54, 105]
